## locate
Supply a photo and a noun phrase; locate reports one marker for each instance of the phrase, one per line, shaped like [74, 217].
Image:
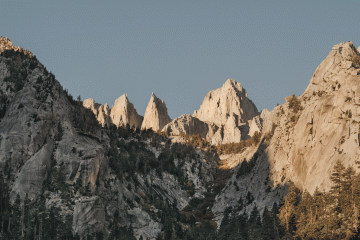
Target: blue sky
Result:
[180, 50]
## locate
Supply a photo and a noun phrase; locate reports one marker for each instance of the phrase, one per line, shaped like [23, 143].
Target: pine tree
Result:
[268, 230]
[14, 226]
[255, 224]
[288, 209]
[348, 202]
[337, 180]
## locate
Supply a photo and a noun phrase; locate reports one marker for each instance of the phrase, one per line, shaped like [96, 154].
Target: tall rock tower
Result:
[156, 115]
[123, 113]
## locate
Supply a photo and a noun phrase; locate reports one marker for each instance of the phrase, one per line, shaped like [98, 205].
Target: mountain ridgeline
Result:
[73, 169]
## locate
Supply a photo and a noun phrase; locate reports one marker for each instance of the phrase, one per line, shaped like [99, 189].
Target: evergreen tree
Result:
[268, 229]
[255, 224]
[288, 209]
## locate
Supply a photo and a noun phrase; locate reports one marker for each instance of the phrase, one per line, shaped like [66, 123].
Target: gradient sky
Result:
[180, 50]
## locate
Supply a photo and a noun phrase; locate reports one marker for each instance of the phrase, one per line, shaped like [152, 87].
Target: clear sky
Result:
[180, 50]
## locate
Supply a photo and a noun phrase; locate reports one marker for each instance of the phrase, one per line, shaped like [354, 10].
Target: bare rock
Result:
[100, 111]
[123, 113]
[257, 123]
[33, 173]
[230, 109]
[190, 125]
[89, 216]
[6, 44]
[156, 116]
[229, 100]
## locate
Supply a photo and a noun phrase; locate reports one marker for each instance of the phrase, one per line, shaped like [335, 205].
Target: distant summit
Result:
[222, 103]
[230, 109]
[6, 44]
[121, 113]
[156, 115]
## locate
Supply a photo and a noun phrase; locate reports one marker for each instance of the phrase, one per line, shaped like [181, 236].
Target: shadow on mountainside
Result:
[248, 184]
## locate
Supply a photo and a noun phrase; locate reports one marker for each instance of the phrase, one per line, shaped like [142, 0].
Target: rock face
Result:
[230, 109]
[229, 100]
[309, 134]
[100, 111]
[89, 216]
[156, 116]
[123, 113]
[190, 125]
[256, 124]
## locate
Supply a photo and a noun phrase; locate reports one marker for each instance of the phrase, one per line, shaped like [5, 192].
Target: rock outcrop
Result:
[123, 113]
[6, 44]
[231, 110]
[100, 111]
[190, 125]
[156, 116]
[89, 216]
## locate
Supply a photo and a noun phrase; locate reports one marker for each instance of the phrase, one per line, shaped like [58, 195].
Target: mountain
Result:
[92, 180]
[230, 109]
[120, 114]
[303, 138]
[123, 113]
[80, 170]
[156, 116]
[225, 116]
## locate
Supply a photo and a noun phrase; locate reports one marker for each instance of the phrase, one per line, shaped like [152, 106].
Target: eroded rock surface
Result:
[100, 111]
[89, 216]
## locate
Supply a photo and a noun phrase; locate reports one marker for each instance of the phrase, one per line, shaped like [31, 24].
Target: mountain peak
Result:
[156, 115]
[123, 113]
[6, 44]
[121, 100]
[219, 104]
[337, 71]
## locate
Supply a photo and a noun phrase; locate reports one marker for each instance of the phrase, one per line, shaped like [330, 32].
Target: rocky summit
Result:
[231, 110]
[156, 116]
[101, 112]
[121, 114]
[72, 169]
